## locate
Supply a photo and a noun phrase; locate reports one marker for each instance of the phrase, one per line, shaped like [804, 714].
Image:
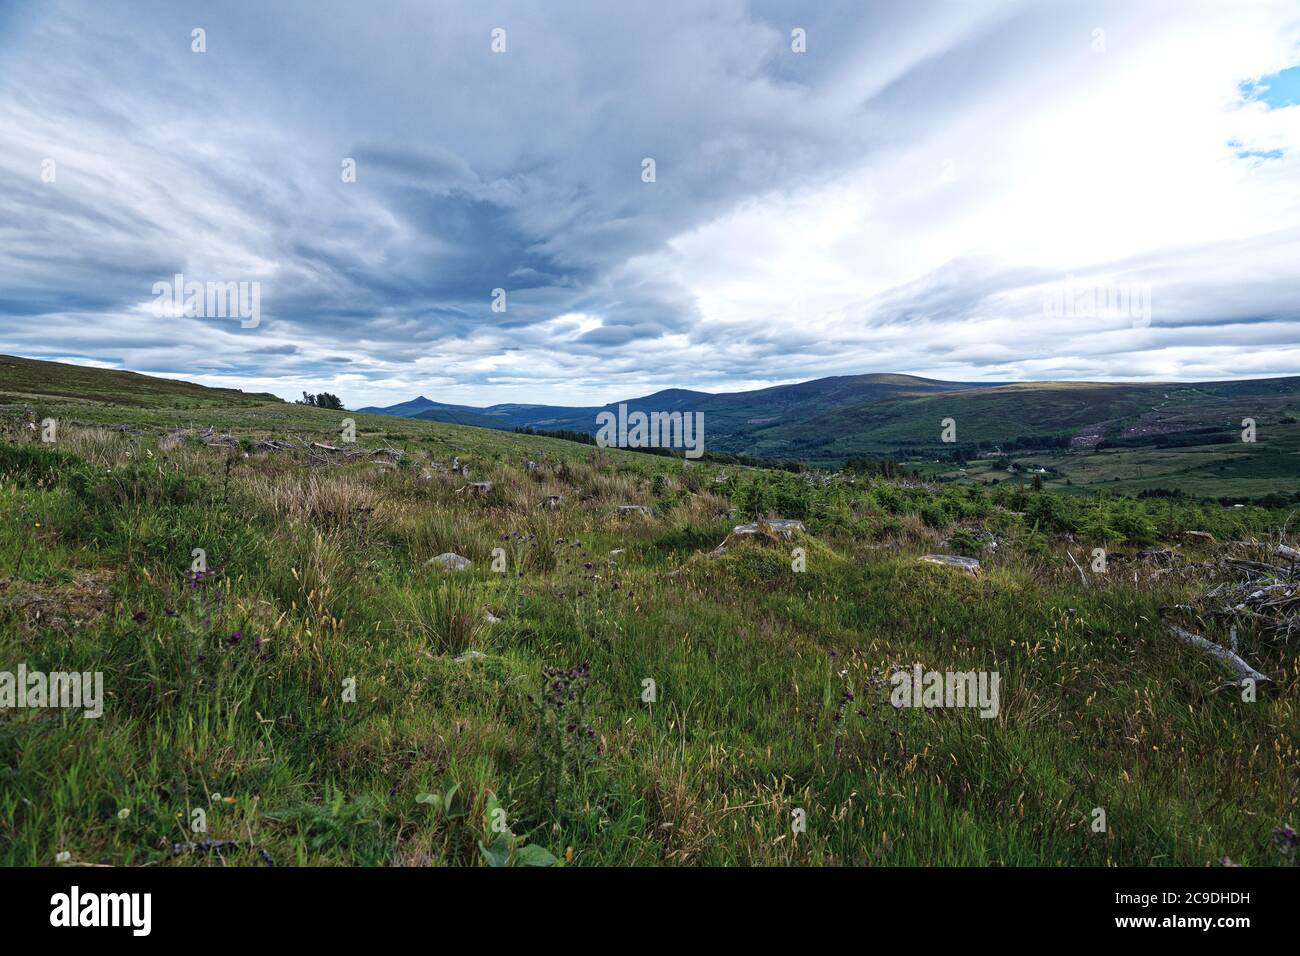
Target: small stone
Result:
[451, 562]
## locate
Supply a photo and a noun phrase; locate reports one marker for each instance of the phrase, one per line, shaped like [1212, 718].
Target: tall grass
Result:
[316, 682]
[449, 616]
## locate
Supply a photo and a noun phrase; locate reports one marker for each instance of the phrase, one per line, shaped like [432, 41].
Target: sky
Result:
[971, 191]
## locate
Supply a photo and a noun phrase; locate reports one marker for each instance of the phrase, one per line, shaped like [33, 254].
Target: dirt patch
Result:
[59, 607]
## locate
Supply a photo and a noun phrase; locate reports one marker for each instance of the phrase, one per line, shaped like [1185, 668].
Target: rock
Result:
[953, 561]
[468, 656]
[451, 562]
[553, 501]
[783, 527]
[767, 530]
[634, 509]
[490, 617]
[532, 466]
[479, 487]
[455, 463]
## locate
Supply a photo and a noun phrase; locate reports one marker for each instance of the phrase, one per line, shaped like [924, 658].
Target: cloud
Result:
[897, 198]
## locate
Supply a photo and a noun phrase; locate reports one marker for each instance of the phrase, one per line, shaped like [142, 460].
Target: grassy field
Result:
[1135, 419]
[612, 692]
[24, 380]
[1246, 471]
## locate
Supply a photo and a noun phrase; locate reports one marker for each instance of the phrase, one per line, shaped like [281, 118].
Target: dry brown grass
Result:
[702, 509]
[325, 499]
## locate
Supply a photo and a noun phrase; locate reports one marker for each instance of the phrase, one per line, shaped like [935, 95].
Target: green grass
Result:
[23, 380]
[351, 704]
[987, 417]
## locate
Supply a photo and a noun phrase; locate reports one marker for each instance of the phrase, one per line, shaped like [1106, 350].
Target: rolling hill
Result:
[25, 380]
[1122, 437]
[1132, 435]
[726, 413]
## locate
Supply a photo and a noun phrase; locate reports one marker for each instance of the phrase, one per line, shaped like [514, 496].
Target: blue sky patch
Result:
[1276, 90]
[1257, 154]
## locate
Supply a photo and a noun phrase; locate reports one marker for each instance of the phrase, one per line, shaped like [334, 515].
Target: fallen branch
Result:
[272, 444]
[1244, 670]
[204, 847]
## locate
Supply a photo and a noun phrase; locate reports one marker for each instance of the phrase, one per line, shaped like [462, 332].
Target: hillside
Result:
[1046, 410]
[25, 380]
[328, 691]
[1126, 437]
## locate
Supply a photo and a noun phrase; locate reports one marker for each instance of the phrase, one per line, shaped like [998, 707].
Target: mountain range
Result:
[731, 418]
[828, 420]
[1187, 437]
